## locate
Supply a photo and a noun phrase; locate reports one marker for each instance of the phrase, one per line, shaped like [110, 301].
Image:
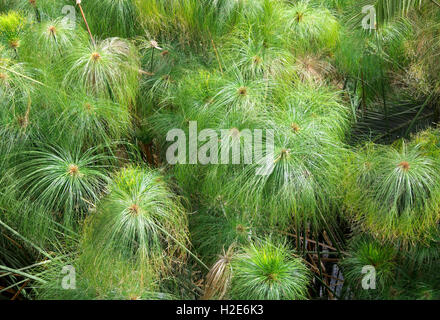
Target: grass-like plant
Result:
[78, 112]
[19, 120]
[28, 218]
[256, 59]
[14, 76]
[393, 191]
[268, 271]
[241, 94]
[50, 40]
[365, 251]
[12, 25]
[311, 26]
[112, 18]
[17, 258]
[41, 10]
[301, 185]
[109, 69]
[168, 67]
[92, 121]
[316, 104]
[262, 22]
[66, 180]
[313, 68]
[423, 285]
[99, 278]
[429, 141]
[140, 218]
[219, 276]
[216, 230]
[189, 23]
[389, 10]
[423, 257]
[4, 5]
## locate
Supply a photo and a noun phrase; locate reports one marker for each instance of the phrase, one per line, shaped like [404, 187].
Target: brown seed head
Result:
[242, 91]
[272, 277]
[240, 228]
[404, 165]
[295, 127]
[257, 60]
[52, 29]
[73, 170]
[96, 56]
[134, 209]
[23, 121]
[14, 44]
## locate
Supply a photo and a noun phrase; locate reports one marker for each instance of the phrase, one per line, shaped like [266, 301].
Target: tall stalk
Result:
[78, 2]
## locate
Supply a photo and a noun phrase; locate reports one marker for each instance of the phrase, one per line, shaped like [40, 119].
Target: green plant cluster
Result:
[86, 105]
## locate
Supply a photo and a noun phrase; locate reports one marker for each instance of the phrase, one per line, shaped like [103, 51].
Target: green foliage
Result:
[387, 10]
[93, 121]
[214, 231]
[50, 40]
[11, 28]
[190, 23]
[312, 26]
[111, 279]
[241, 95]
[112, 18]
[140, 218]
[30, 219]
[255, 59]
[394, 191]
[65, 180]
[308, 154]
[39, 10]
[268, 271]
[82, 114]
[365, 251]
[107, 70]
[4, 5]
[14, 86]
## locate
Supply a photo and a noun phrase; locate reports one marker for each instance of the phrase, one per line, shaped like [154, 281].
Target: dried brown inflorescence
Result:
[134, 209]
[88, 106]
[242, 91]
[240, 228]
[14, 44]
[219, 277]
[404, 165]
[257, 60]
[96, 56]
[52, 30]
[295, 127]
[73, 170]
